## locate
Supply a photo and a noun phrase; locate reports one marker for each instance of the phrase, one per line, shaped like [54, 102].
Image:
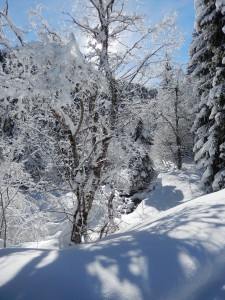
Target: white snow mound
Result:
[180, 254]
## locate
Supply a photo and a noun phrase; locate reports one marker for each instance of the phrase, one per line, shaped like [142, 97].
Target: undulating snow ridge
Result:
[179, 254]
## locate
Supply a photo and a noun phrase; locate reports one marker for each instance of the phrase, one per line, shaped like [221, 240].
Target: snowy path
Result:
[173, 187]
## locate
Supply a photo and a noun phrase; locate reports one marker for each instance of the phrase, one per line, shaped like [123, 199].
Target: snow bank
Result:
[180, 254]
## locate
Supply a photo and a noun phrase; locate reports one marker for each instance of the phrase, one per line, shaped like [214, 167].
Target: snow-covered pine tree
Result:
[207, 70]
[217, 102]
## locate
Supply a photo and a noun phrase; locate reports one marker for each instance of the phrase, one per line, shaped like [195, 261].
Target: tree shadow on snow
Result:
[139, 265]
[164, 197]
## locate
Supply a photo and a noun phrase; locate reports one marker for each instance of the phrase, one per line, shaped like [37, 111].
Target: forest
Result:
[98, 121]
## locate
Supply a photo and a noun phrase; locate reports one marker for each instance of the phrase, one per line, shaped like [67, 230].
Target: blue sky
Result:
[153, 9]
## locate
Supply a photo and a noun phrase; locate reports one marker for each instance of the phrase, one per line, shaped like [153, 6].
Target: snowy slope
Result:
[173, 187]
[179, 254]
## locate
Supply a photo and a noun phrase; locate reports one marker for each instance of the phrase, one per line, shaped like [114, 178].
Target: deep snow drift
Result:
[179, 254]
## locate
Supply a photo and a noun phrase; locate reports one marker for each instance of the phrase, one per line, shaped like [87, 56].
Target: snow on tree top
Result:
[220, 5]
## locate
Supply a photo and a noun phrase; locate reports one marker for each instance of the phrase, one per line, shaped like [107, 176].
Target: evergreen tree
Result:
[207, 70]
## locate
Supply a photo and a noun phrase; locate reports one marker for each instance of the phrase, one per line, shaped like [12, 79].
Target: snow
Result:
[220, 5]
[176, 250]
[173, 187]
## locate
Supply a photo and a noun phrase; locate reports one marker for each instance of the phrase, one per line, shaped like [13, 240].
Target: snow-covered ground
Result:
[176, 253]
[173, 187]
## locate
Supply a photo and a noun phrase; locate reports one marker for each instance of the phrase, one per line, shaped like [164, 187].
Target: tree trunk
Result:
[178, 139]
[79, 229]
[80, 218]
[4, 223]
[179, 154]
[110, 225]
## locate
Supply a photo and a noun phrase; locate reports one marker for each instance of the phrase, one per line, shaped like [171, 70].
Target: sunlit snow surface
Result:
[178, 253]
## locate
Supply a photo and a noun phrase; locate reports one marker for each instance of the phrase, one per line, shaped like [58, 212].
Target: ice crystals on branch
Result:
[5, 24]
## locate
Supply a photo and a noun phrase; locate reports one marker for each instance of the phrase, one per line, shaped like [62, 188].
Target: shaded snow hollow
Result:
[179, 254]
